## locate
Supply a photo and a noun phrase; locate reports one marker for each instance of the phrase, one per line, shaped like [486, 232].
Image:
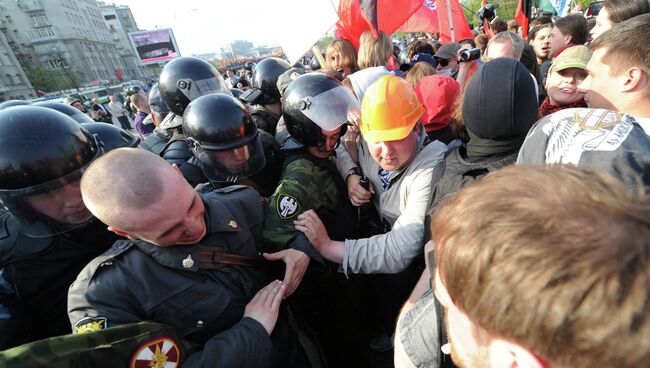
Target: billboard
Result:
[154, 46]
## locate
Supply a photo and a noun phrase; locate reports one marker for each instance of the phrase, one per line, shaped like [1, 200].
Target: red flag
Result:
[453, 25]
[522, 19]
[425, 19]
[357, 16]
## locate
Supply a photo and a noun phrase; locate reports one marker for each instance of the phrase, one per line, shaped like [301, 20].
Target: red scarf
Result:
[547, 108]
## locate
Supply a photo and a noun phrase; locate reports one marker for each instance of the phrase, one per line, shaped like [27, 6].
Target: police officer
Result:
[264, 94]
[227, 146]
[47, 234]
[181, 81]
[191, 261]
[111, 137]
[159, 111]
[316, 111]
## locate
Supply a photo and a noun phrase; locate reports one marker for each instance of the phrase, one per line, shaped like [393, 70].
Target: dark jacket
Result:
[136, 281]
[38, 273]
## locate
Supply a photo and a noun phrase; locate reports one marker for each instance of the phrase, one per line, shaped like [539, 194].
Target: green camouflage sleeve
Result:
[294, 195]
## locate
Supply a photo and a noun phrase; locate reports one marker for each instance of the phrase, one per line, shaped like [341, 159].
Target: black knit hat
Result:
[500, 101]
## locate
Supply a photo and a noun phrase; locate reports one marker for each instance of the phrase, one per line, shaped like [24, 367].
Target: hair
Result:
[541, 21]
[138, 183]
[529, 59]
[533, 31]
[374, 51]
[419, 47]
[556, 259]
[513, 25]
[457, 124]
[419, 71]
[626, 46]
[576, 26]
[481, 42]
[622, 10]
[468, 41]
[498, 25]
[137, 98]
[346, 50]
[508, 37]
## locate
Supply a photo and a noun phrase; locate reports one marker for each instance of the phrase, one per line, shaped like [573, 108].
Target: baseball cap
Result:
[287, 77]
[423, 57]
[448, 50]
[573, 57]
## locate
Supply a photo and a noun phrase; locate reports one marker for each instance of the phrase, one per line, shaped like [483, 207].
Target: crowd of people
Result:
[474, 203]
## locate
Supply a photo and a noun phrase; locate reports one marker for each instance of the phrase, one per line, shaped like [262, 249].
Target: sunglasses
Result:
[442, 62]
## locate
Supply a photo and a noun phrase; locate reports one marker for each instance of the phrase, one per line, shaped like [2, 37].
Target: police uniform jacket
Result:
[136, 281]
[402, 208]
[37, 273]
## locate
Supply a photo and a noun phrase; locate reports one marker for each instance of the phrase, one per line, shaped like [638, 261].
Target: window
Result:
[109, 17]
[4, 58]
[9, 19]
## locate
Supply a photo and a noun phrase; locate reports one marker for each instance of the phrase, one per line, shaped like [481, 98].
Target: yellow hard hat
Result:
[389, 110]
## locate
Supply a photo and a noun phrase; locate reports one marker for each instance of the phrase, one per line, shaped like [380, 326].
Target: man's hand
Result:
[265, 305]
[296, 265]
[309, 223]
[358, 194]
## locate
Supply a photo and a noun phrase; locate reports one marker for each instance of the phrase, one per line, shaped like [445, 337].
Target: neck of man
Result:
[275, 108]
[639, 109]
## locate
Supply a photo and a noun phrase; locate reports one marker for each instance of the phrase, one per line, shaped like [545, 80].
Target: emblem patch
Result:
[287, 206]
[90, 324]
[158, 353]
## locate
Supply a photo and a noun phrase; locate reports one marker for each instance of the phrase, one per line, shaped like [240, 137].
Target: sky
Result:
[204, 26]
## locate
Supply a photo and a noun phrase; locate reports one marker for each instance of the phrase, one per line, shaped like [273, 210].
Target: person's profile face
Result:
[556, 40]
[64, 204]
[602, 24]
[600, 85]
[465, 348]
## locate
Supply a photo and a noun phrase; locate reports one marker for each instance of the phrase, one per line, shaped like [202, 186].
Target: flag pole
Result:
[451, 22]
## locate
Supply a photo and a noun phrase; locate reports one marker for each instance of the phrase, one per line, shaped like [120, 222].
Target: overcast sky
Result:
[203, 26]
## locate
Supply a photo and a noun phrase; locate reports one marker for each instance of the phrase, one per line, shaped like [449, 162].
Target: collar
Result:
[218, 219]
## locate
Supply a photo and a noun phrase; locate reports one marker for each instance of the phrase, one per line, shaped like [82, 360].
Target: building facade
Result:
[120, 22]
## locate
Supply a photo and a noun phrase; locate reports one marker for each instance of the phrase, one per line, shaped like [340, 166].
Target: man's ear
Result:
[120, 232]
[635, 80]
[509, 354]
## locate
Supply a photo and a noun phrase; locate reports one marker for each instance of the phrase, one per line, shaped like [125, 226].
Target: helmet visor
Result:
[229, 165]
[192, 89]
[332, 108]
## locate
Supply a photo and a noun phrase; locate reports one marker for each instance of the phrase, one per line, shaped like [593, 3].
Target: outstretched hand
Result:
[265, 305]
[296, 265]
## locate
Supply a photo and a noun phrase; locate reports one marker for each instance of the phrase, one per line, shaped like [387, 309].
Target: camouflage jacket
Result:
[307, 183]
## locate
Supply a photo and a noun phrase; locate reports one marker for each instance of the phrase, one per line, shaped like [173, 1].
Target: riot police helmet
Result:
[110, 137]
[316, 101]
[186, 78]
[265, 78]
[72, 112]
[236, 92]
[43, 154]
[222, 135]
[11, 103]
[159, 109]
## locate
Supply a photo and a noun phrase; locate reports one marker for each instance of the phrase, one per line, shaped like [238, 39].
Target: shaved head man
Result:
[195, 255]
[150, 201]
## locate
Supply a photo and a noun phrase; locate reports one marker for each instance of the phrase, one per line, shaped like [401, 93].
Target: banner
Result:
[425, 19]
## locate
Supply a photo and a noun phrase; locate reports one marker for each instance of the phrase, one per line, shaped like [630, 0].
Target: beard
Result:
[477, 359]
